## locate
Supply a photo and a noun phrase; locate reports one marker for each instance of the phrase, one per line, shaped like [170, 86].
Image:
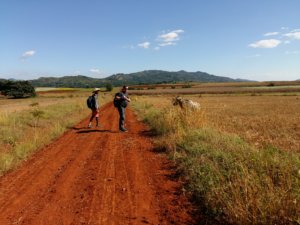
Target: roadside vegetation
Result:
[27, 125]
[261, 120]
[231, 179]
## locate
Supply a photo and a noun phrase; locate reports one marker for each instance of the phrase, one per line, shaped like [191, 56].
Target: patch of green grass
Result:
[237, 181]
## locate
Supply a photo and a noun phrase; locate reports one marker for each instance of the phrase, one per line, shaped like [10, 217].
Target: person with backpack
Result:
[120, 102]
[92, 103]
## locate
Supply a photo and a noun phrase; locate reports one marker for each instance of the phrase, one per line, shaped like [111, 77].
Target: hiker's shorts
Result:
[95, 112]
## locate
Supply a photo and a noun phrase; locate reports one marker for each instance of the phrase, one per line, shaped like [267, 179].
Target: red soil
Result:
[95, 176]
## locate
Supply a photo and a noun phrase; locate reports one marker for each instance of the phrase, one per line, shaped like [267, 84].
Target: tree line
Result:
[17, 89]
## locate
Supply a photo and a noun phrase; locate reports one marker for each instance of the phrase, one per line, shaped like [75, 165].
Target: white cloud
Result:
[28, 54]
[295, 30]
[255, 56]
[144, 45]
[178, 31]
[271, 34]
[97, 71]
[129, 46]
[165, 39]
[293, 35]
[292, 52]
[284, 28]
[287, 42]
[166, 44]
[270, 43]
[171, 36]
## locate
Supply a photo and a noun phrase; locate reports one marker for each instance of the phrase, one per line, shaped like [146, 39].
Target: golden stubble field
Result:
[261, 120]
[238, 155]
[28, 124]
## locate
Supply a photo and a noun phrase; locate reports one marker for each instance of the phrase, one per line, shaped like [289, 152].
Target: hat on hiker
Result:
[96, 89]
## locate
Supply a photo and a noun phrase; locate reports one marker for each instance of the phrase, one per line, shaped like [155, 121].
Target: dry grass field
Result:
[28, 124]
[222, 84]
[261, 120]
[239, 155]
[254, 88]
[219, 90]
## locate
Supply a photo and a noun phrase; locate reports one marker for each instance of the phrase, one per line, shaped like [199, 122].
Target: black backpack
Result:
[117, 102]
[90, 102]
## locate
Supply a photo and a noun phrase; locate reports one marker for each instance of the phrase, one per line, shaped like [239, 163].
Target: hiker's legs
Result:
[91, 119]
[94, 114]
[122, 117]
[97, 121]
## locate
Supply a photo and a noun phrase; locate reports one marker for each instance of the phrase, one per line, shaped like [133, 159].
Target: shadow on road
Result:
[95, 131]
[148, 133]
[77, 128]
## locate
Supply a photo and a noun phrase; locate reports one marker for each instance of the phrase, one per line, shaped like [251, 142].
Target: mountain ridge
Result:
[136, 78]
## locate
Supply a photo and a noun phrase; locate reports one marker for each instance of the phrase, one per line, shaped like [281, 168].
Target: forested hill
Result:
[144, 77]
[67, 81]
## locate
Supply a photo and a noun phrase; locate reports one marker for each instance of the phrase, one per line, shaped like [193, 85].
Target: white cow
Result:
[186, 103]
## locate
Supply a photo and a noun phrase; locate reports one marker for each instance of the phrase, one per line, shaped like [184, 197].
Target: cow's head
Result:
[177, 100]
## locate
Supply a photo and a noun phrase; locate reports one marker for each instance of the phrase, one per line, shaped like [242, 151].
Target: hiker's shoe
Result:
[98, 125]
[123, 130]
[90, 126]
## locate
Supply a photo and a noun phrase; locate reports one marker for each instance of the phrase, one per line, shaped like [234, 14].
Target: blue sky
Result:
[257, 40]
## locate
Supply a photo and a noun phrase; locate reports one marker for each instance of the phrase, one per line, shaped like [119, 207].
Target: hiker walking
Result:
[93, 104]
[121, 101]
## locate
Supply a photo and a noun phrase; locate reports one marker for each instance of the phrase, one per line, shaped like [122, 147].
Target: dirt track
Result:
[95, 176]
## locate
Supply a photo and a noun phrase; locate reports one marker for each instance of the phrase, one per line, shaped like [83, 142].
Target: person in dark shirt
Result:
[95, 108]
[123, 99]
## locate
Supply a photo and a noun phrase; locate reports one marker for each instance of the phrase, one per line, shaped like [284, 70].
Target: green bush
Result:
[151, 87]
[17, 89]
[271, 84]
[187, 85]
[109, 87]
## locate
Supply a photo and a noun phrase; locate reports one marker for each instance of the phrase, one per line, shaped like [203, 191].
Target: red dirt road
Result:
[95, 176]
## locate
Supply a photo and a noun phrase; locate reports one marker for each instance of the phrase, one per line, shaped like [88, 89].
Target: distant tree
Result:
[271, 84]
[2, 86]
[17, 89]
[187, 85]
[151, 87]
[109, 87]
